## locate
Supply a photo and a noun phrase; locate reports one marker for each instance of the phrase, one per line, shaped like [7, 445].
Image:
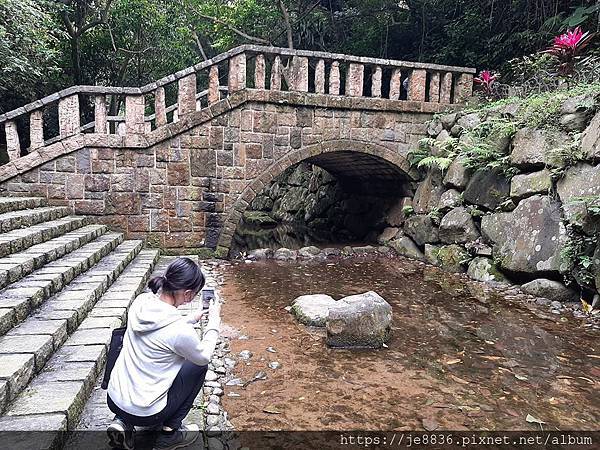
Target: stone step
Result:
[13, 220]
[15, 203]
[55, 397]
[18, 265]
[18, 240]
[26, 348]
[20, 298]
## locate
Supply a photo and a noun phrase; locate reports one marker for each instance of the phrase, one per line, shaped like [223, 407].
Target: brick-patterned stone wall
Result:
[187, 191]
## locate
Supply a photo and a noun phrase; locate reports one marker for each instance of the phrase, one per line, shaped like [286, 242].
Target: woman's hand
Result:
[214, 310]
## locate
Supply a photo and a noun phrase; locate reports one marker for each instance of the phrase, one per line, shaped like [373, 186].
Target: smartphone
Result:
[207, 295]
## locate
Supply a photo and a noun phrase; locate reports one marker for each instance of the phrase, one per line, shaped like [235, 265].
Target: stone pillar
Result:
[395, 84]
[68, 115]
[276, 74]
[160, 113]
[134, 114]
[36, 129]
[320, 77]
[376, 82]
[464, 88]
[434, 87]
[100, 115]
[13, 145]
[334, 78]
[213, 85]
[299, 74]
[355, 80]
[186, 94]
[417, 85]
[259, 72]
[237, 73]
[446, 88]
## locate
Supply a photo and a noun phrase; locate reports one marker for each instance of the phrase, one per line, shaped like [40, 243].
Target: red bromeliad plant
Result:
[567, 47]
[486, 79]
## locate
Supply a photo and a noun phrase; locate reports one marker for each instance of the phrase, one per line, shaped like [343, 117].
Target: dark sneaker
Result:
[121, 435]
[182, 437]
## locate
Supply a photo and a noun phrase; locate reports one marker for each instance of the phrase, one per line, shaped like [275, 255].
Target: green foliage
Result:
[408, 210]
[576, 257]
[432, 153]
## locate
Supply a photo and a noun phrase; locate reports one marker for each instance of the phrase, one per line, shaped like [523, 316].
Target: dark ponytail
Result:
[182, 274]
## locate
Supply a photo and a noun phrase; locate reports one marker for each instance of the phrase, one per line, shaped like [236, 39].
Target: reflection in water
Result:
[501, 353]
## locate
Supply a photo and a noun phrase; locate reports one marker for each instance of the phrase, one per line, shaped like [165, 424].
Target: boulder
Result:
[581, 180]
[576, 112]
[458, 227]
[596, 267]
[431, 254]
[469, 121]
[405, 246]
[487, 188]
[434, 127]
[285, 254]
[448, 120]
[291, 202]
[312, 310]
[450, 199]
[396, 215]
[422, 229]
[300, 175]
[526, 185]
[534, 149]
[528, 239]
[484, 269]
[262, 203]
[457, 175]
[452, 258]
[387, 235]
[428, 193]
[550, 289]
[260, 254]
[259, 219]
[443, 136]
[309, 252]
[590, 144]
[359, 321]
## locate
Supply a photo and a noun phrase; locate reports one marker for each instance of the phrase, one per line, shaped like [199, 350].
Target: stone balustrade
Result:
[129, 111]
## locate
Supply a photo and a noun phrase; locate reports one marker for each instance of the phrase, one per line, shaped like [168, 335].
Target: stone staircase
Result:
[64, 285]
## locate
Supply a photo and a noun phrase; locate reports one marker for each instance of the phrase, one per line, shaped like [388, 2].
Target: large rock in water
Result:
[457, 227]
[363, 320]
[550, 289]
[405, 246]
[528, 239]
[487, 188]
[312, 310]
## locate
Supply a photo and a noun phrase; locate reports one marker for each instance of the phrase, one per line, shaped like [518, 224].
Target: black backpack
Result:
[116, 344]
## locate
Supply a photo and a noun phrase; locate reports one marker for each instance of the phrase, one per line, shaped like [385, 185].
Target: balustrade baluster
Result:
[186, 94]
[100, 119]
[276, 74]
[13, 144]
[417, 85]
[334, 78]
[434, 87]
[376, 82]
[355, 79]
[464, 88]
[213, 85]
[446, 88]
[259, 72]
[36, 129]
[320, 77]
[68, 116]
[134, 114]
[299, 74]
[160, 109]
[237, 73]
[395, 84]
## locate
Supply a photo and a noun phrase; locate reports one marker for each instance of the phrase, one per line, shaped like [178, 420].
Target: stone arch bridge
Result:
[177, 161]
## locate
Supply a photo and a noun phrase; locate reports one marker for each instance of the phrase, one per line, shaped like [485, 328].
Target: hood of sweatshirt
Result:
[149, 313]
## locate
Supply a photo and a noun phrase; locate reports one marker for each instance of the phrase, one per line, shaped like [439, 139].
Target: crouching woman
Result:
[163, 362]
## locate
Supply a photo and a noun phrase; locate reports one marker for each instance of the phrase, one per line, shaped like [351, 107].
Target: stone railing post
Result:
[213, 85]
[68, 116]
[434, 87]
[334, 78]
[237, 73]
[446, 88]
[376, 82]
[416, 85]
[275, 84]
[134, 114]
[355, 80]
[463, 88]
[36, 129]
[259, 72]
[186, 94]
[320, 77]
[160, 109]
[13, 144]
[100, 119]
[299, 74]
[395, 84]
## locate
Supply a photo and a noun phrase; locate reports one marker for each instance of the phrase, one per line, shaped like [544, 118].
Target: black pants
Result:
[181, 395]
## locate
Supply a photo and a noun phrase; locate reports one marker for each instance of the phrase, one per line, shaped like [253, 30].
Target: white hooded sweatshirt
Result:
[157, 342]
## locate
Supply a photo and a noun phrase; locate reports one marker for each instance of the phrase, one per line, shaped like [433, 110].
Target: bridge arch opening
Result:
[331, 195]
